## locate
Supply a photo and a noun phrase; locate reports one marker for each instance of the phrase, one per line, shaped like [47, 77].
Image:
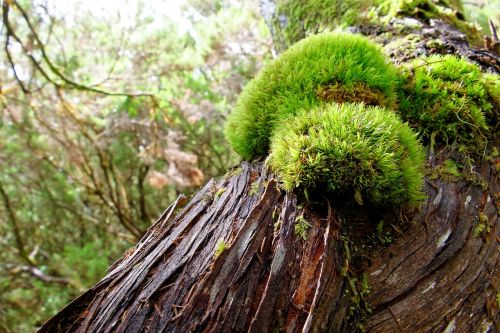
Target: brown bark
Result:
[439, 275]
[436, 275]
[267, 277]
[231, 259]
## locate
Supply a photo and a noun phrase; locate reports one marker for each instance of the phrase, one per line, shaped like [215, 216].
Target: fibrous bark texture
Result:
[231, 261]
[440, 276]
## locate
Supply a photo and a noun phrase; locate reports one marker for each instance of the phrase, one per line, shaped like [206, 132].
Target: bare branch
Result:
[37, 273]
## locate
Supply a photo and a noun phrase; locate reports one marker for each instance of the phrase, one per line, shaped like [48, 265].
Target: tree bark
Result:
[233, 259]
[436, 275]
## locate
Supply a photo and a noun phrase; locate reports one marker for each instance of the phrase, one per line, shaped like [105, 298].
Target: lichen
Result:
[404, 48]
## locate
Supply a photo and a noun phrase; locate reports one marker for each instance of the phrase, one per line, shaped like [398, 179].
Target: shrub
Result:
[363, 152]
[446, 97]
[318, 66]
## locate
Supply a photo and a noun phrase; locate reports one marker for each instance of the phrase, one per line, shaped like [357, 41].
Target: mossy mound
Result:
[446, 99]
[352, 150]
[295, 80]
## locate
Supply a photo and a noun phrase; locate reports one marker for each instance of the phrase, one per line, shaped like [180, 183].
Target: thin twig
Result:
[493, 30]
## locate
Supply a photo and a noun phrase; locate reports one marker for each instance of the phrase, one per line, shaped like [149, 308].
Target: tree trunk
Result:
[265, 277]
[244, 255]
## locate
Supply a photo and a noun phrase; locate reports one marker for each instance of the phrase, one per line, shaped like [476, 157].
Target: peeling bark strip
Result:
[266, 278]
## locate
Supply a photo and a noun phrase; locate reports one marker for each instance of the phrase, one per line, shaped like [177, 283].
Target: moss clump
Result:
[292, 82]
[450, 171]
[484, 226]
[446, 99]
[424, 9]
[220, 192]
[294, 20]
[254, 188]
[301, 227]
[492, 85]
[350, 149]
[219, 248]
[450, 12]
[451, 168]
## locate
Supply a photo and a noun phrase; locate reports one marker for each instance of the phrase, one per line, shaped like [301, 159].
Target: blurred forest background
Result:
[108, 111]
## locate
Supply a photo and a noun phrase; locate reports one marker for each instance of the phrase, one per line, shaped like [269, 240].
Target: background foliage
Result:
[106, 115]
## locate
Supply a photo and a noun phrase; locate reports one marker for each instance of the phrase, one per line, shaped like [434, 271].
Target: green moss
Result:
[449, 170]
[358, 290]
[301, 227]
[291, 83]
[491, 83]
[450, 12]
[352, 150]
[483, 228]
[294, 20]
[452, 168]
[424, 9]
[445, 97]
[220, 192]
[384, 235]
[219, 248]
[254, 188]
[235, 172]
